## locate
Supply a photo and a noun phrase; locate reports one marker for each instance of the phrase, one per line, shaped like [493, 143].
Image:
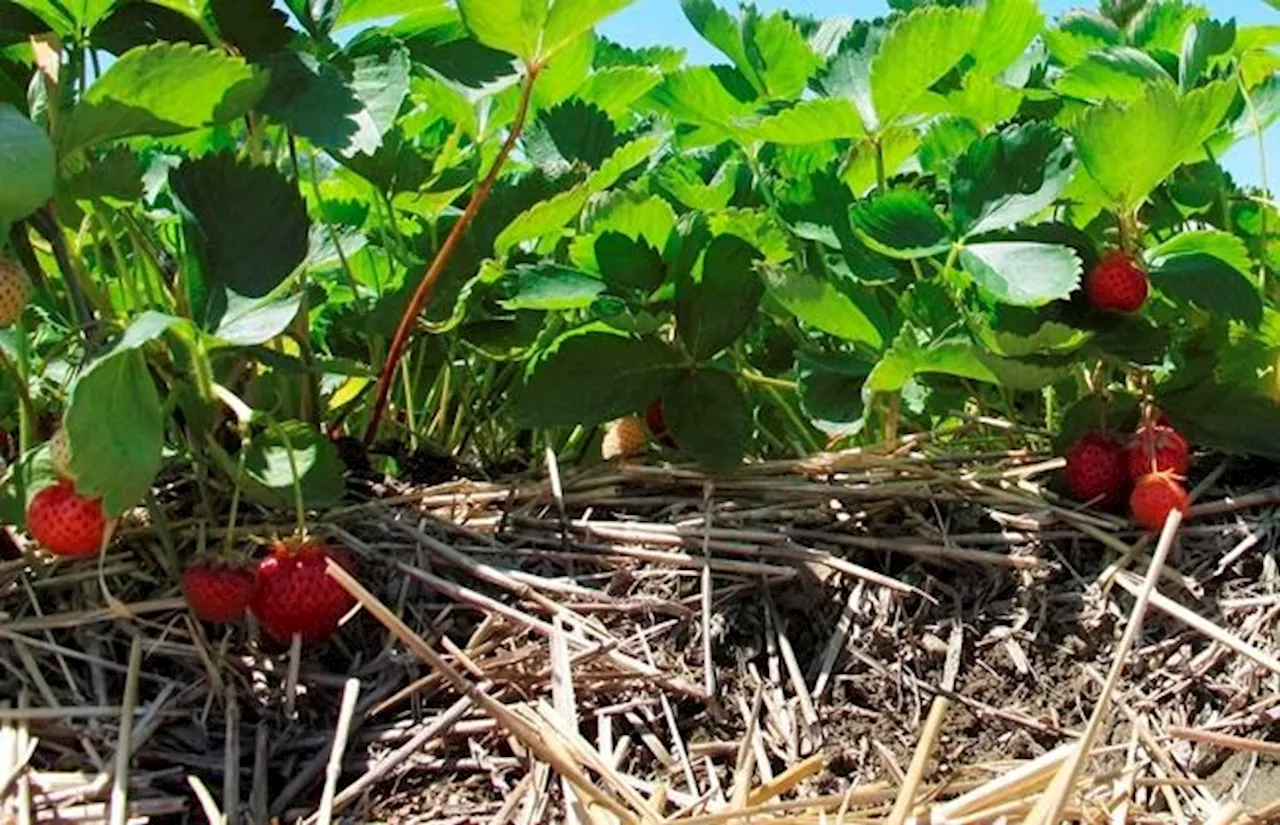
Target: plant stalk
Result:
[423, 292]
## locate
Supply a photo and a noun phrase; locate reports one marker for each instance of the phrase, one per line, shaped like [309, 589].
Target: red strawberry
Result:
[295, 595]
[15, 291]
[1095, 469]
[218, 592]
[658, 424]
[1154, 497]
[1157, 448]
[66, 523]
[1117, 284]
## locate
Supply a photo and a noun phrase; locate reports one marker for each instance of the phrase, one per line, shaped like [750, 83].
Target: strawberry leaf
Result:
[831, 391]
[247, 222]
[1023, 273]
[1210, 270]
[552, 287]
[593, 374]
[901, 223]
[718, 299]
[918, 50]
[268, 463]
[1008, 177]
[1130, 149]
[26, 166]
[116, 429]
[709, 417]
[825, 306]
[162, 89]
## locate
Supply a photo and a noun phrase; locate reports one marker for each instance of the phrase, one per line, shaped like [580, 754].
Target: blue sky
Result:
[648, 22]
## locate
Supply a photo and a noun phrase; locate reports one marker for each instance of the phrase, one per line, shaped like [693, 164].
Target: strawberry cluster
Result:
[1149, 470]
[288, 591]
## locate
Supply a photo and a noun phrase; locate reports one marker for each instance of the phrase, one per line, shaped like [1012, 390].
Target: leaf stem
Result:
[423, 292]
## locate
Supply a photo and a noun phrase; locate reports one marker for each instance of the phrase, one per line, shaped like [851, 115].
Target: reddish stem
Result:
[423, 293]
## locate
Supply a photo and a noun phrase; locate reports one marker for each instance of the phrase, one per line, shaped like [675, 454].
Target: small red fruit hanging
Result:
[66, 523]
[1157, 448]
[1154, 496]
[296, 595]
[218, 591]
[1117, 284]
[1095, 469]
[658, 424]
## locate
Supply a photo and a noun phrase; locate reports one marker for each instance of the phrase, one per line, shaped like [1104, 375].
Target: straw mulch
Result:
[865, 637]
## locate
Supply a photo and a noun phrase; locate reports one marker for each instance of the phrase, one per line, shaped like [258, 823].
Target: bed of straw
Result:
[914, 634]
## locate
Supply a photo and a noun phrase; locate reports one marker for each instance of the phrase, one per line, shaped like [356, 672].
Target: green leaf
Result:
[831, 391]
[823, 305]
[512, 26]
[593, 374]
[1008, 177]
[809, 121]
[116, 429]
[250, 323]
[629, 263]
[719, 28]
[552, 287]
[1161, 25]
[907, 359]
[1204, 41]
[1209, 269]
[358, 11]
[680, 179]
[1229, 417]
[1023, 273]
[27, 166]
[1114, 73]
[1080, 32]
[248, 222]
[570, 18]
[782, 59]
[343, 115]
[901, 223]
[709, 417]
[717, 300]
[569, 133]
[696, 95]
[163, 89]
[1026, 374]
[918, 50]
[615, 89]
[273, 457]
[543, 218]
[1007, 29]
[1130, 149]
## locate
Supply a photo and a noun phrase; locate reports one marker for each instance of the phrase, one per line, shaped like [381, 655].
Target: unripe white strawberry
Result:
[626, 438]
[15, 291]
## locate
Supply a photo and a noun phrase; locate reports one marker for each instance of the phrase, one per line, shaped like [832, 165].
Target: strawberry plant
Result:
[250, 251]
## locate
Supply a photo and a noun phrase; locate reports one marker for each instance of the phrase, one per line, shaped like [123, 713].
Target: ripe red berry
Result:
[218, 592]
[1117, 284]
[658, 424]
[66, 523]
[1154, 496]
[1157, 448]
[1095, 469]
[295, 595]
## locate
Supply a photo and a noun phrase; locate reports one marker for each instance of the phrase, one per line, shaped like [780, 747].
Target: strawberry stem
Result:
[429, 278]
[295, 480]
